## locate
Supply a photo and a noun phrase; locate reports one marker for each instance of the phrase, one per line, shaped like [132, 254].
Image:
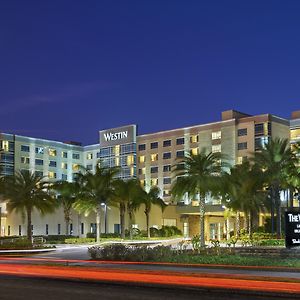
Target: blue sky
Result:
[70, 68]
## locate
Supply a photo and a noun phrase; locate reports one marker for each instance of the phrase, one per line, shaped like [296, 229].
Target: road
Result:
[37, 289]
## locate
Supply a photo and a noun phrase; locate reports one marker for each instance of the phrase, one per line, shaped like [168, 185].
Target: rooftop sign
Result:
[118, 136]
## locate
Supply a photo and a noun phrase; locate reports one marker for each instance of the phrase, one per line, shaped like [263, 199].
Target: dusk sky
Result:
[71, 68]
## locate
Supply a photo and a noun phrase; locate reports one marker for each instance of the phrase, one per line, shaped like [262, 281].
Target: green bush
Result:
[103, 235]
[154, 232]
[168, 231]
[79, 240]
[19, 243]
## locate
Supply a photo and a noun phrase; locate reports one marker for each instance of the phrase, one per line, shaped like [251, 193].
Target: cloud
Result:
[64, 94]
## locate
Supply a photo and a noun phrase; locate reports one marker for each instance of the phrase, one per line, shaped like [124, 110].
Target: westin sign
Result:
[118, 136]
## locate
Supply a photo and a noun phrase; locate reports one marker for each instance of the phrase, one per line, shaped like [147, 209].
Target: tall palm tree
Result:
[96, 190]
[26, 191]
[197, 177]
[127, 196]
[151, 198]
[277, 160]
[67, 192]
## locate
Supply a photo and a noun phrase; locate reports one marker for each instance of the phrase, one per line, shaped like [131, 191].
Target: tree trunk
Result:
[122, 220]
[250, 225]
[227, 228]
[202, 220]
[67, 221]
[147, 222]
[29, 225]
[278, 211]
[245, 222]
[98, 224]
[237, 224]
[130, 225]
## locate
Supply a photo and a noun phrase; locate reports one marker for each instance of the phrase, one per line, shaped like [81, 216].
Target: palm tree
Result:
[151, 198]
[26, 191]
[277, 160]
[197, 177]
[127, 196]
[67, 192]
[96, 189]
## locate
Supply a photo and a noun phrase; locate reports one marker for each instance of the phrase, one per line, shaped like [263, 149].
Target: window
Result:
[166, 193]
[180, 153]
[52, 175]
[39, 150]
[142, 158]
[167, 180]
[167, 143]
[64, 177]
[39, 173]
[52, 152]
[82, 228]
[89, 167]
[58, 228]
[64, 154]
[47, 229]
[89, 155]
[76, 156]
[216, 148]
[239, 160]
[142, 147]
[180, 141]
[167, 155]
[39, 162]
[52, 163]
[167, 168]
[242, 131]
[142, 171]
[130, 160]
[75, 167]
[25, 148]
[64, 165]
[153, 170]
[194, 151]
[154, 145]
[8, 146]
[71, 229]
[24, 160]
[20, 230]
[143, 183]
[194, 138]
[216, 135]
[242, 146]
[8, 230]
[154, 157]
[260, 142]
[154, 181]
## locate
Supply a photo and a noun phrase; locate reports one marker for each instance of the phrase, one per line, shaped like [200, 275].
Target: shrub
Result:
[167, 231]
[103, 235]
[154, 232]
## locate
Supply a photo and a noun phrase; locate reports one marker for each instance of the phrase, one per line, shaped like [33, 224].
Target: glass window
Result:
[194, 138]
[242, 131]
[39, 173]
[142, 171]
[52, 152]
[142, 158]
[64, 154]
[64, 165]
[216, 135]
[39, 150]
[64, 177]
[52, 163]
[89, 155]
[216, 148]
[76, 156]
[75, 167]
[7, 146]
[154, 145]
[142, 147]
[154, 157]
[89, 167]
[25, 148]
[39, 162]
[242, 146]
[167, 155]
[180, 141]
[167, 143]
[166, 193]
[130, 160]
[24, 160]
[154, 181]
[167, 168]
[180, 153]
[167, 180]
[153, 170]
[58, 228]
[52, 175]
[194, 151]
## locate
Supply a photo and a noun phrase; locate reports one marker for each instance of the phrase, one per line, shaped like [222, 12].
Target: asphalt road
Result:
[17, 288]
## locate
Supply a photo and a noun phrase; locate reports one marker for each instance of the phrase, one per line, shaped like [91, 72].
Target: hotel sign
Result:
[292, 229]
[118, 136]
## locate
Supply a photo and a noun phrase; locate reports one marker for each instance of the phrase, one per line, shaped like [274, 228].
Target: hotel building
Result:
[149, 158]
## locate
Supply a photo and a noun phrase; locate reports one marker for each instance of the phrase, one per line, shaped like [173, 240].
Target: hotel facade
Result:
[148, 157]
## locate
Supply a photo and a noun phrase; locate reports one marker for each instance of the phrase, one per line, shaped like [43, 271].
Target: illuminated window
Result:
[194, 151]
[295, 134]
[142, 182]
[116, 150]
[89, 155]
[154, 157]
[142, 171]
[75, 167]
[166, 193]
[142, 158]
[24, 160]
[154, 181]
[117, 161]
[239, 160]
[5, 145]
[64, 154]
[64, 165]
[132, 171]
[52, 175]
[194, 139]
[52, 152]
[216, 135]
[130, 160]
[216, 148]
